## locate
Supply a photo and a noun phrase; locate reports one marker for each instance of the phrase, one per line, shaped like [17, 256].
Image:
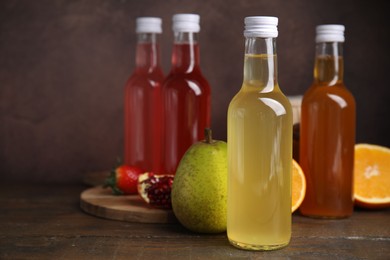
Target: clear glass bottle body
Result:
[259, 154]
[187, 100]
[327, 137]
[143, 115]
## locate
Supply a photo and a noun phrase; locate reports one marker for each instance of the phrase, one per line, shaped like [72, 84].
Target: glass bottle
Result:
[327, 136]
[143, 100]
[186, 93]
[259, 147]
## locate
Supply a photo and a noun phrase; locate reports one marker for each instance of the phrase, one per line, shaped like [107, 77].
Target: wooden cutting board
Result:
[100, 202]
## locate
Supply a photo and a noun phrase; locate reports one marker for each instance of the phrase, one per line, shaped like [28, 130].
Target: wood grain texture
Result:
[46, 222]
[99, 201]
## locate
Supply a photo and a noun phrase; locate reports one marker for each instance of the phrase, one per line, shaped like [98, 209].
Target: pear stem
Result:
[208, 135]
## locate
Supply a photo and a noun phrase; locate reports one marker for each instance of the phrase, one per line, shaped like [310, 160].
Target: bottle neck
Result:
[147, 52]
[329, 63]
[260, 64]
[185, 54]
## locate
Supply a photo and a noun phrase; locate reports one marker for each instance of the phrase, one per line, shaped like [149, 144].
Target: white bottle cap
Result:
[148, 25]
[261, 26]
[330, 33]
[186, 23]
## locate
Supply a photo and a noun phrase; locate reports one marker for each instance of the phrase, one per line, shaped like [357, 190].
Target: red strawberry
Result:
[123, 180]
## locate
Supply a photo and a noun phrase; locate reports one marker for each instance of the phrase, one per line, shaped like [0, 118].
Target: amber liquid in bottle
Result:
[327, 138]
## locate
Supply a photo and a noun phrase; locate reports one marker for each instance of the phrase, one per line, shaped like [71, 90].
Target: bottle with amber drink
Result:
[143, 100]
[187, 100]
[259, 147]
[327, 136]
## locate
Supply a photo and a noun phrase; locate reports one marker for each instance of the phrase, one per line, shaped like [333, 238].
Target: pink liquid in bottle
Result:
[143, 105]
[186, 100]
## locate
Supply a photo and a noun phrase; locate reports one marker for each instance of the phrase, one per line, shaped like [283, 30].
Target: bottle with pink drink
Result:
[143, 115]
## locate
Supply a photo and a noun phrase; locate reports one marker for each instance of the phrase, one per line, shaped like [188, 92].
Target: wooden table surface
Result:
[46, 222]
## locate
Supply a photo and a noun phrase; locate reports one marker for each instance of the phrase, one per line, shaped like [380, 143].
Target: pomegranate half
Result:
[155, 189]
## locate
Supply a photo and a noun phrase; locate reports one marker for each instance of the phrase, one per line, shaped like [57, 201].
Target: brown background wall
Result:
[63, 66]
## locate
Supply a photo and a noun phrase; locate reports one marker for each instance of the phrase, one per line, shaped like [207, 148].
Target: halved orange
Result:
[372, 176]
[298, 186]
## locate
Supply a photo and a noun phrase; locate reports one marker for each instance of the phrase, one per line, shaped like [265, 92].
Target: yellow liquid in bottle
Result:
[259, 162]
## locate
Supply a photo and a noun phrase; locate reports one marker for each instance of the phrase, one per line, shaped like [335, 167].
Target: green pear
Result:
[199, 189]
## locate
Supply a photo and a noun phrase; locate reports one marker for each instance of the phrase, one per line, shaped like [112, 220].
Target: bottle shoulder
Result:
[320, 94]
[194, 72]
[253, 93]
[179, 79]
[137, 78]
[254, 100]
[328, 97]
[148, 72]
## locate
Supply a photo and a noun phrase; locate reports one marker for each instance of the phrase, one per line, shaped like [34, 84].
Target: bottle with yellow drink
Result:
[259, 147]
